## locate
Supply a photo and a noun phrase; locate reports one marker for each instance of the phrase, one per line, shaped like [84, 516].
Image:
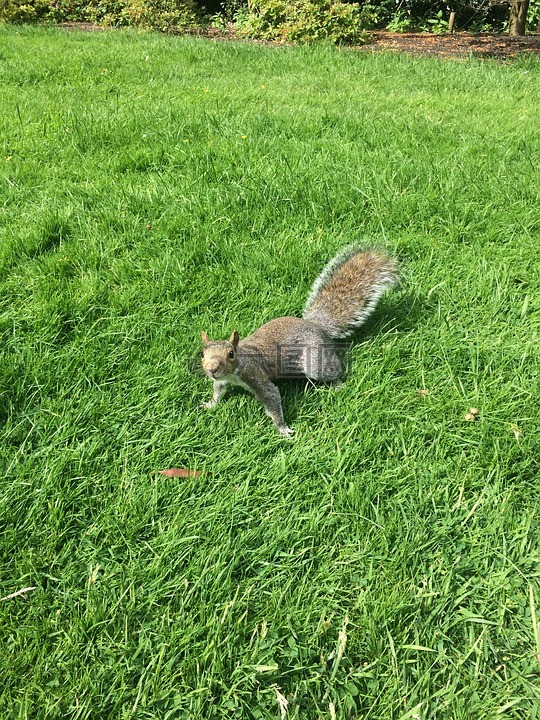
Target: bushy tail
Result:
[348, 289]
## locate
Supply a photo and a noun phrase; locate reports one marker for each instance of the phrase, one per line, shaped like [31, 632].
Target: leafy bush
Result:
[304, 21]
[28, 11]
[433, 15]
[72, 10]
[533, 16]
[285, 20]
[158, 14]
[400, 23]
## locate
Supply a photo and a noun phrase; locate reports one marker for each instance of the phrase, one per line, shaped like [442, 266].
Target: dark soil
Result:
[456, 45]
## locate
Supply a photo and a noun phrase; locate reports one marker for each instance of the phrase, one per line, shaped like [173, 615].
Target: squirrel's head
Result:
[218, 357]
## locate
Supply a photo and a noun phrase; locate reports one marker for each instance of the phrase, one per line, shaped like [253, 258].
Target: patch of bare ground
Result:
[486, 45]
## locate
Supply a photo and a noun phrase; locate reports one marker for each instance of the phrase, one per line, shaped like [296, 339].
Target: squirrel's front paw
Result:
[209, 405]
[286, 432]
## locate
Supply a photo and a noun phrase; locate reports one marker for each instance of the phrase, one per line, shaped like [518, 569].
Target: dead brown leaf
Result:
[179, 472]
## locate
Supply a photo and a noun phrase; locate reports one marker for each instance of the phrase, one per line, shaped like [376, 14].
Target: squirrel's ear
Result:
[205, 339]
[234, 339]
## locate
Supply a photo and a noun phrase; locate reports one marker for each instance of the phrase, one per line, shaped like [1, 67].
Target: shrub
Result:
[72, 10]
[304, 21]
[28, 11]
[158, 14]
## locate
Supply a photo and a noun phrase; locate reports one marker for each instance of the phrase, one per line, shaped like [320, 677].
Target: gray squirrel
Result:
[341, 299]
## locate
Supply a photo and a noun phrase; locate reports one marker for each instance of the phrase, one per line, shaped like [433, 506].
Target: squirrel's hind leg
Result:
[322, 362]
[269, 395]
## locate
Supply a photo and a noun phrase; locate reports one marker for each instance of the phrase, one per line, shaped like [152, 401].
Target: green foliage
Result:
[433, 15]
[158, 14]
[24, 11]
[289, 21]
[304, 21]
[72, 10]
[439, 23]
[398, 23]
[533, 16]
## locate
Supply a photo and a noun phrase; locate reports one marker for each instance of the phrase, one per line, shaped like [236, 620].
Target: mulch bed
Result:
[484, 45]
[456, 45]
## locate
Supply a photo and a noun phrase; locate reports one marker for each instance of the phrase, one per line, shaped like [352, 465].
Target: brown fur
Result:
[342, 297]
[348, 289]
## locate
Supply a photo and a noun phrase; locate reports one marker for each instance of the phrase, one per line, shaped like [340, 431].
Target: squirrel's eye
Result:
[231, 354]
[202, 354]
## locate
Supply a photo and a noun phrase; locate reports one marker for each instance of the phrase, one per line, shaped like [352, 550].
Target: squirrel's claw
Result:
[286, 432]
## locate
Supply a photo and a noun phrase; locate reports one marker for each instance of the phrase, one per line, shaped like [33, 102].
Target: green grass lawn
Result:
[385, 563]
